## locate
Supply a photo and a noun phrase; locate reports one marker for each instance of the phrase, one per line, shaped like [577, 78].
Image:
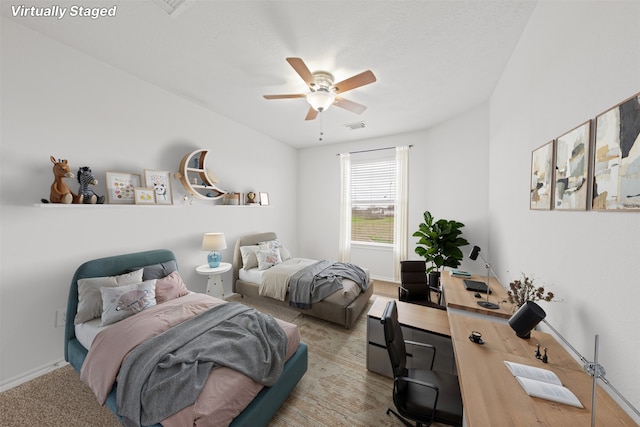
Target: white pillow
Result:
[124, 301]
[275, 244]
[268, 258]
[249, 259]
[89, 298]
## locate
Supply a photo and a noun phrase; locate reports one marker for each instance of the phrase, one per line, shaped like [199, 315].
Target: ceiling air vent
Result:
[356, 125]
[171, 6]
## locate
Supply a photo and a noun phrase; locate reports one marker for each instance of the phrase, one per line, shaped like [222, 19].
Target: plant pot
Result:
[434, 279]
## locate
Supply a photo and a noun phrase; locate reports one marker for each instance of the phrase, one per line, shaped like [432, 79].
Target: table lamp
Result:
[474, 256]
[214, 242]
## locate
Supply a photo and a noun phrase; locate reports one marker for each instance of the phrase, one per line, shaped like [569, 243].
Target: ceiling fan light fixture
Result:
[321, 99]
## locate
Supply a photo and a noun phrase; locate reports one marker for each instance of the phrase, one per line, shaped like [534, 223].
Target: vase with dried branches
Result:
[521, 291]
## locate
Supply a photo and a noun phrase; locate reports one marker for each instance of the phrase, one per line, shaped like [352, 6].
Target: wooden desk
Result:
[493, 397]
[456, 296]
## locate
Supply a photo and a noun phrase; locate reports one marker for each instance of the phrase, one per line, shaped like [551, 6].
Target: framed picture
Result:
[121, 186]
[145, 196]
[541, 190]
[616, 160]
[231, 199]
[264, 199]
[571, 187]
[160, 181]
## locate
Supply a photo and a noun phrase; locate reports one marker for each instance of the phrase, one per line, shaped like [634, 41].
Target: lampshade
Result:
[474, 253]
[321, 99]
[526, 318]
[213, 242]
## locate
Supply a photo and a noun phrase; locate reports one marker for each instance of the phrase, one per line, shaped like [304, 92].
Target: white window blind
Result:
[373, 190]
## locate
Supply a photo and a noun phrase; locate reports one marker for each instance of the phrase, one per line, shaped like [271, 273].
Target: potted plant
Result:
[439, 244]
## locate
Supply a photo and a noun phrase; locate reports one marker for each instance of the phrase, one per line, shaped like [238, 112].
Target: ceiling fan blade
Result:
[311, 114]
[297, 95]
[302, 69]
[354, 107]
[364, 78]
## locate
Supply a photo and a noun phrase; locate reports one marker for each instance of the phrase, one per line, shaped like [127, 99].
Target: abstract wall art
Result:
[571, 189]
[616, 166]
[541, 190]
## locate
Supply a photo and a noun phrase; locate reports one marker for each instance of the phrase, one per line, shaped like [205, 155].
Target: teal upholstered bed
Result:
[259, 411]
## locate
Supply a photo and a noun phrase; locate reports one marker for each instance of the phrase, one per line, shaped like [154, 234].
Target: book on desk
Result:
[459, 273]
[542, 383]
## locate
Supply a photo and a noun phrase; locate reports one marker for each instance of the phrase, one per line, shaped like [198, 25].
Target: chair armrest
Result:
[423, 345]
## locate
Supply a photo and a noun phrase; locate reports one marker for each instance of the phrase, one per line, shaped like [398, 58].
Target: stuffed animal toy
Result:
[86, 193]
[60, 192]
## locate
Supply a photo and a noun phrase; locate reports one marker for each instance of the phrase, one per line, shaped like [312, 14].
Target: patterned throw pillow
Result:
[268, 258]
[89, 299]
[125, 301]
[275, 244]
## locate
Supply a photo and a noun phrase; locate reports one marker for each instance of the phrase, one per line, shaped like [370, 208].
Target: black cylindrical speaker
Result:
[526, 318]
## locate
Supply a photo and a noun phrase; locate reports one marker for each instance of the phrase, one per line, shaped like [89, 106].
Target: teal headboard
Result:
[101, 267]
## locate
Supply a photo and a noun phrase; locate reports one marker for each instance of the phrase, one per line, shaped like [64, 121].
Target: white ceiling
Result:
[432, 59]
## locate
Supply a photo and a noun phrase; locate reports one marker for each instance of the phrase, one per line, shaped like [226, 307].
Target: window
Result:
[373, 189]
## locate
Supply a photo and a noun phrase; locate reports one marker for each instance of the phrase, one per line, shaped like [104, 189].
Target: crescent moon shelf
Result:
[194, 177]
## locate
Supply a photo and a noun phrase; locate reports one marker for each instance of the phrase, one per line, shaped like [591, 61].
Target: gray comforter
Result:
[319, 280]
[166, 373]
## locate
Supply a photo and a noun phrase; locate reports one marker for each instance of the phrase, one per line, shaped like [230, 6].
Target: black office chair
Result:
[414, 287]
[422, 395]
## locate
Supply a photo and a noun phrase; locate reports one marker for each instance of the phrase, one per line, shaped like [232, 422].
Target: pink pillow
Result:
[170, 287]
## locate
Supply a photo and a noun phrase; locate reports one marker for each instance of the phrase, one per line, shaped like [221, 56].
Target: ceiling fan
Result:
[322, 90]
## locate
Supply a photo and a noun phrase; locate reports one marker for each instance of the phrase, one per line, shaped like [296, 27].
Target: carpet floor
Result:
[337, 389]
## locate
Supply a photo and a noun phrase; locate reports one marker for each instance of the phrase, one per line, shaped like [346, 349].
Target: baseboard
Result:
[21, 379]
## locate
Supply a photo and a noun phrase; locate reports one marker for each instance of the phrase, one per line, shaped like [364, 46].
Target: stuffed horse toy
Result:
[85, 193]
[60, 192]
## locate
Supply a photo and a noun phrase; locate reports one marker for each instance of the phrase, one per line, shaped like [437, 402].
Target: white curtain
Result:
[401, 228]
[344, 251]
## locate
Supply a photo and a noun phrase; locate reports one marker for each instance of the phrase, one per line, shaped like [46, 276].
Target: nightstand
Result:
[214, 283]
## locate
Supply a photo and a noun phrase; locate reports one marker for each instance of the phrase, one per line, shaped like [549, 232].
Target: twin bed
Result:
[135, 315]
[342, 306]
[217, 405]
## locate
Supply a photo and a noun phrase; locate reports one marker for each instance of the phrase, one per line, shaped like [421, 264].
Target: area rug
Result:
[337, 389]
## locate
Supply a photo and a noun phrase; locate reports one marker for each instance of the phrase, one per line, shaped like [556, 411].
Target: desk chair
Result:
[422, 395]
[413, 285]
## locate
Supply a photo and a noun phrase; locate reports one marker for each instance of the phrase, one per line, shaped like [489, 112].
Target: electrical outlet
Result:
[61, 318]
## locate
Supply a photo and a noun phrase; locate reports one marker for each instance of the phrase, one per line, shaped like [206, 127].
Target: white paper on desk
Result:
[554, 392]
[542, 383]
[526, 371]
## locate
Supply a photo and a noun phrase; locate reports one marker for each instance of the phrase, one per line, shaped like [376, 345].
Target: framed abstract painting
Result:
[571, 188]
[541, 189]
[616, 164]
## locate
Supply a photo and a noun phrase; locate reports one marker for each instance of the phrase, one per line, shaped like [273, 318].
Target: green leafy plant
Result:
[525, 290]
[440, 242]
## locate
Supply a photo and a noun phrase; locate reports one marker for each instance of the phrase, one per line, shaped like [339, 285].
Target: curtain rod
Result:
[373, 149]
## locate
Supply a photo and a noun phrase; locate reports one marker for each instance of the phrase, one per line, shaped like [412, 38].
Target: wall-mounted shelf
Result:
[193, 167]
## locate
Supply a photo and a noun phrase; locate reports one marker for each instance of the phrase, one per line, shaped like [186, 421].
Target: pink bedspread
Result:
[226, 392]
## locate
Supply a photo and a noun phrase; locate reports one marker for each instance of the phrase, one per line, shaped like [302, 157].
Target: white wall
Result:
[448, 175]
[57, 101]
[574, 60]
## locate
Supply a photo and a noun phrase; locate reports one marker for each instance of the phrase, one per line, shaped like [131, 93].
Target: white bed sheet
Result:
[252, 275]
[87, 331]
